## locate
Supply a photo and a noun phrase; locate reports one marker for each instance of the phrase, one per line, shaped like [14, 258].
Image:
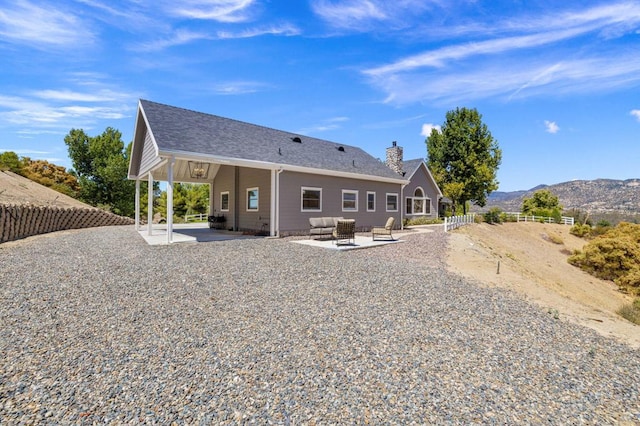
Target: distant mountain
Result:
[596, 196]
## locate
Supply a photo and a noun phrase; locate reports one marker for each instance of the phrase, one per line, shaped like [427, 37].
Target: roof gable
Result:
[181, 131]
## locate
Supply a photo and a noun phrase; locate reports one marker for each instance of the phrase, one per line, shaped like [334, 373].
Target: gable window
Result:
[311, 199]
[224, 201]
[252, 199]
[371, 201]
[392, 202]
[349, 200]
[418, 204]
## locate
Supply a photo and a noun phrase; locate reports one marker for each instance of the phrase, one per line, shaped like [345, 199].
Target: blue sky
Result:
[557, 83]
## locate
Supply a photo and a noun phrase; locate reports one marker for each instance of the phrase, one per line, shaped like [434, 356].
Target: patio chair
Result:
[383, 230]
[345, 232]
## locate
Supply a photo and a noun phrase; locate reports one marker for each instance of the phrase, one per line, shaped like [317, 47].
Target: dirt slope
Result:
[16, 189]
[536, 268]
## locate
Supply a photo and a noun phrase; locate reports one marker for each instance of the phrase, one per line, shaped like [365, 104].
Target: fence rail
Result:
[520, 217]
[454, 222]
[195, 217]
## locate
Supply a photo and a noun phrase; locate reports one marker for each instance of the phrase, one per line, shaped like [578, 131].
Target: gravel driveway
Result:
[99, 327]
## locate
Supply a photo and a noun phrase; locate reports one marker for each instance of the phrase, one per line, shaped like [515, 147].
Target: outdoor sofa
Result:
[322, 226]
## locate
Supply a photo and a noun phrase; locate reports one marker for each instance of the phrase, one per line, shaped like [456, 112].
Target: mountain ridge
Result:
[597, 195]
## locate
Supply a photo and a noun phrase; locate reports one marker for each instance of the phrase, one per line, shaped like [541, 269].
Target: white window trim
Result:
[350, 191]
[256, 188]
[228, 201]
[310, 188]
[374, 201]
[426, 201]
[386, 201]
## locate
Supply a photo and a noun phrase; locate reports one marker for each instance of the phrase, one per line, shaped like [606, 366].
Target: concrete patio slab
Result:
[189, 233]
[361, 242]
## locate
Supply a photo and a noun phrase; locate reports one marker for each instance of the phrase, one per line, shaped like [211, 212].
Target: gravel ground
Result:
[98, 327]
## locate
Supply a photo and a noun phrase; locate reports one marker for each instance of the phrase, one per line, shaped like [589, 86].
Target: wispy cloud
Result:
[284, 30]
[326, 125]
[43, 27]
[428, 127]
[475, 70]
[176, 38]
[636, 113]
[238, 87]
[229, 11]
[367, 15]
[551, 127]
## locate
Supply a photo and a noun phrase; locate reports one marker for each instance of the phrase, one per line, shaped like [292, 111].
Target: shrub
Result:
[631, 311]
[422, 221]
[613, 256]
[555, 239]
[493, 215]
[582, 231]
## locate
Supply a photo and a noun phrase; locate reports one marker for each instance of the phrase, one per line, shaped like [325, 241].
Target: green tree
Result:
[9, 160]
[543, 203]
[101, 165]
[464, 158]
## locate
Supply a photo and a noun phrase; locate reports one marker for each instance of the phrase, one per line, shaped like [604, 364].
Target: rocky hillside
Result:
[596, 196]
[16, 189]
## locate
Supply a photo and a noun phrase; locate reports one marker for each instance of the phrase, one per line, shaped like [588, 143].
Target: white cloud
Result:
[551, 127]
[473, 70]
[238, 87]
[636, 113]
[177, 38]
[332, 123]
[43, 27]
[428, 127]
[285, 30]
[350, 13]
[229, 11]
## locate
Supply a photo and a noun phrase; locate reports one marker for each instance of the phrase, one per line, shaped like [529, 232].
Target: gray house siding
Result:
[254, 178]
[149, 155]
[294, 220]
[225, 182]
[421, 179]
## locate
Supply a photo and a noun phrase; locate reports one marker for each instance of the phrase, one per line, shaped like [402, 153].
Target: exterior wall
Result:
[148, 152]
[238, 217]
[294, 220]
[421, 179]
[225, 182]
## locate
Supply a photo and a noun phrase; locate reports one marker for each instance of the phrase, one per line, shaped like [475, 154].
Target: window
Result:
[252, 199]
[224, 201]
[392, 202]
[349, 200]
[371, 201]
[418, 204]
[311, 199]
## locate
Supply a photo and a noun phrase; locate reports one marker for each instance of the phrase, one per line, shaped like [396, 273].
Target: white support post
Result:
[137, 202]
[272, 207]
[170, 164]
[150, 206]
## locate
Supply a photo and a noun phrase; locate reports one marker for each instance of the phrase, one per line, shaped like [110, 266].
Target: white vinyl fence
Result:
[520, 217]
[454, 222]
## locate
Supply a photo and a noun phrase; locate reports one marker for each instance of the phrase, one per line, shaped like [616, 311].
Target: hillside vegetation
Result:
[604, 198]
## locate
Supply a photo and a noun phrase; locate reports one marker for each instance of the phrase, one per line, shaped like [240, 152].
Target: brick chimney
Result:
[394, 158]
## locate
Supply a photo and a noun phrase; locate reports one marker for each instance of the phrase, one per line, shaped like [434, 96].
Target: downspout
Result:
[402, 206]
[280, 170]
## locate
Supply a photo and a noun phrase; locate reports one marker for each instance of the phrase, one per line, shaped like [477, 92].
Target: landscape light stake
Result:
[498, 272]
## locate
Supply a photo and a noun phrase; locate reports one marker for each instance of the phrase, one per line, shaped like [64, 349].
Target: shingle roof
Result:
[185, 131]
[410, 166]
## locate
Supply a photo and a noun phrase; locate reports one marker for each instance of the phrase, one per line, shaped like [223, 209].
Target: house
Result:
[262, 179]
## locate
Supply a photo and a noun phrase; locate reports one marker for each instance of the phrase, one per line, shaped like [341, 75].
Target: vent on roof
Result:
[341, 148]
[296, 139]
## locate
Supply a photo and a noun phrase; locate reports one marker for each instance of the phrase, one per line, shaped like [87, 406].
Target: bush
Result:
[494, 215]
[631, 311]
[615, 256]
[582, 231]
[423, 220]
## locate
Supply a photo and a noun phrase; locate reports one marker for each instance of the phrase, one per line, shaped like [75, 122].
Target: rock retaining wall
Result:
[21, 221]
